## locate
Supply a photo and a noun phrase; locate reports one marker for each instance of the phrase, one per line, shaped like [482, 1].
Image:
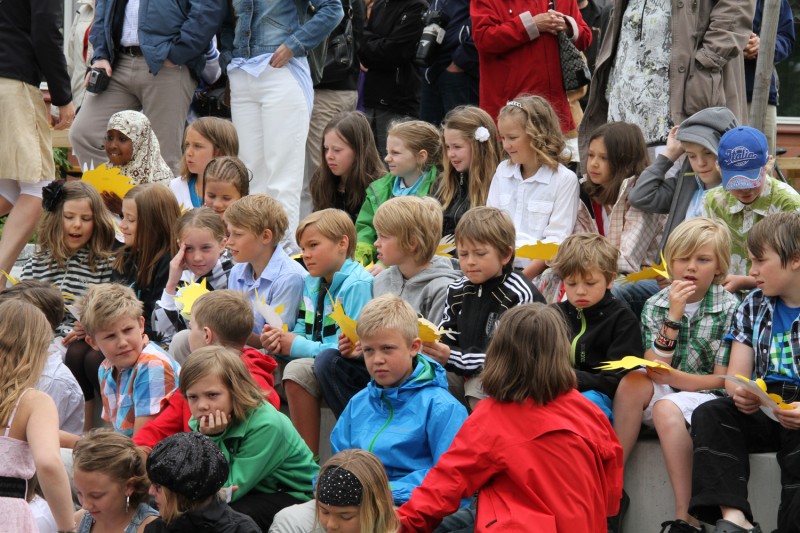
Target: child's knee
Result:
[667, 412]
[634, 386]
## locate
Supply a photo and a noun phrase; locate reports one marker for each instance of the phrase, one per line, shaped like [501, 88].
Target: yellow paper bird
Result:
[541, 250]
[651, 272]
[187, 295]
[628, 362]
[345, 323]
[272, 316]
[763, 386]
[9, 277]
[108, 180]
[430, 332]
[446, 246]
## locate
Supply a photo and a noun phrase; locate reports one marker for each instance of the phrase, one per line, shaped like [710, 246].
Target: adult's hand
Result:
[753, 45]
[550, 22]
[100, 63]
[66, 114]
[281, 56]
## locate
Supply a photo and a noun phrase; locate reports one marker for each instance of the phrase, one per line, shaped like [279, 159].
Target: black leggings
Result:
[263, 507]
[84, 363]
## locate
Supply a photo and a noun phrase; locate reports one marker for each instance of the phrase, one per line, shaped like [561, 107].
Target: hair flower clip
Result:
[481, 134]
[53, 195]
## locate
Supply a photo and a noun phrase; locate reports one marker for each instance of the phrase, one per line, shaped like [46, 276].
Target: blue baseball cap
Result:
[742, 157]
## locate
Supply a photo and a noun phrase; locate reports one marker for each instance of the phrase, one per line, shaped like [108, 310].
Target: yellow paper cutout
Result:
[345, 323]
[628, 362]
[763, 386]
[9, 277]
[370, 265]
[187, 295]
[651, 272]
[272, 316]
[108, 180]
[430, 332]
[446, 246]
[541, 250]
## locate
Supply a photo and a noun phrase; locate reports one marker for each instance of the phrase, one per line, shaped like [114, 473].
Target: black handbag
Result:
[574, 69]
[341, 48]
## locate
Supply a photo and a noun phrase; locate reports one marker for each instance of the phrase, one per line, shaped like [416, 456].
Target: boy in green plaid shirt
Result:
[683, 327]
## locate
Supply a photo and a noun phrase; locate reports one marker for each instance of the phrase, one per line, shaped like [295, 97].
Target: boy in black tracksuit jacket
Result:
[602, 328]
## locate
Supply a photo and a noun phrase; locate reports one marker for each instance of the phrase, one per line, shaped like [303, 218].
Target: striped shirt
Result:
[73, 280]
[139, 390]
[700, 343]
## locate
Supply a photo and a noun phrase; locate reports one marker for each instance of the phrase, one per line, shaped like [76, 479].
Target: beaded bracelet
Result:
[671, 324]
[663, 343]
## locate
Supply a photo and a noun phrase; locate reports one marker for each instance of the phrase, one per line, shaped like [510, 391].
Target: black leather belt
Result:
[130, 50]
[12, 487]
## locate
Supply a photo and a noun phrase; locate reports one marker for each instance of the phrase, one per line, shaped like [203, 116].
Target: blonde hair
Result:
[106, 303]
[228, 367]
[418, 135]
[490, 226]
[485, 155]
[529, 356]
[45, 297]
[50, 229]
[388, 312]
[227, 169]
[414, 221]
[115, 455]
[691, 234]
[157, 211]
[781, 232]
[333, 224]
[541, 126]
[202, 218]
[582, 252]
[176, 504]
[24, 337]
[227, 313]
[376, 512]
[219, 132]
[256, 213]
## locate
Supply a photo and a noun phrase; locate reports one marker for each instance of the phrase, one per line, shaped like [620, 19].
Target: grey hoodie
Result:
[426, 292]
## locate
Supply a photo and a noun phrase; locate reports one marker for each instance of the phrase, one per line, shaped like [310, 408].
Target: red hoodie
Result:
[174, 418]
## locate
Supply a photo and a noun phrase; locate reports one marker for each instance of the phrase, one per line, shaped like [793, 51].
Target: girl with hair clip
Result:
[414, 151]
[471, 154]
[533, 186]
[226, 180]
[353, 495]
[75, 242]
[111, 482]
[520, 470]
[187, 470]
[149, 213]
[205, 139]
[269, 462]
[29, 421]
[349, 163]
[201, 257]
[617, 156]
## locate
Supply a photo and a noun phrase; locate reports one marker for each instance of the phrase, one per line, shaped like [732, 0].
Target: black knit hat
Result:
[189, 464]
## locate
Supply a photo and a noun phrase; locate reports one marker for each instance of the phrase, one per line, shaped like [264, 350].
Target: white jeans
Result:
[271, 117]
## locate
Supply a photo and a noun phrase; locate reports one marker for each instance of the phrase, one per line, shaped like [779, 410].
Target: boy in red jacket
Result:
[219, 317]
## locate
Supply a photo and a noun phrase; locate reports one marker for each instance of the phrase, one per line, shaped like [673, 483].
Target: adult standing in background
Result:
[154, 53]
[451, 77]
[655, 69]
[31, 49]
[264, 46]
[517, 43]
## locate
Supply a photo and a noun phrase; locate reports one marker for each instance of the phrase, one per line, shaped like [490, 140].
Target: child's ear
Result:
[422, 157]
[90, 341]
[266, 236]
[208, 336]
[794, 262]
[344, 243]
[416, 345]
[506, 258]
[611, 282]
[141, 323]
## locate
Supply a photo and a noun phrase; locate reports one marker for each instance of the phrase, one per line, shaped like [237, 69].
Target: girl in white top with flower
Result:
[533, 186]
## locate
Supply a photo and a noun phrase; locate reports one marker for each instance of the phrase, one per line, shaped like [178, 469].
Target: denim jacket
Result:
[178, 30]
[259, 27]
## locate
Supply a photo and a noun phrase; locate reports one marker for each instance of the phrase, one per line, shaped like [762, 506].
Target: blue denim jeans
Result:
[450, 90]
[339, 378]
[634, 295]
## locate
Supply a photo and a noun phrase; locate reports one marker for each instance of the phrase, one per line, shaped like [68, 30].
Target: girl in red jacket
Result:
[560, 471]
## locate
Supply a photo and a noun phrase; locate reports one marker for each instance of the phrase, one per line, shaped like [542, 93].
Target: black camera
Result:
[98, 80]
[432, 36]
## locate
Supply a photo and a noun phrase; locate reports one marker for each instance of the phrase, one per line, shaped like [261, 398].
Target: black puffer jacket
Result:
[387, 51]
[215, 518]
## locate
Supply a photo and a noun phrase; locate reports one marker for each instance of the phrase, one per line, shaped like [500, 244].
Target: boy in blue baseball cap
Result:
[748, 194]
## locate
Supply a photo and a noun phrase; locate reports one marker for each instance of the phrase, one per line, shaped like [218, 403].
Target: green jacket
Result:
[265, 453]
[378, 192]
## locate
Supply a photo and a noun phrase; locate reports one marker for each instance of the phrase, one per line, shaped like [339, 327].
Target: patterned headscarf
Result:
[147, 165]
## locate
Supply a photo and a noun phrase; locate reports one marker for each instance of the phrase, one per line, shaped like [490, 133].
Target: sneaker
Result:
[723, 526]
[680, 526]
